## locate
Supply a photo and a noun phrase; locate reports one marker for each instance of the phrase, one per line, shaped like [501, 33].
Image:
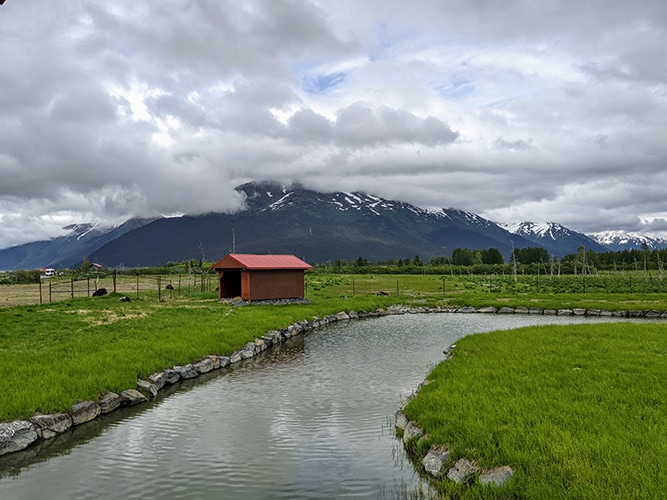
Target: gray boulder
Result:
[224, 361]
[215, 361]
[497, 476]
[131, 397]
[204, 366]
[85, 412]
[435, 460]
[48, 426]
[247, 353]
[171, 376]
[109, 402]
[157, 379]
[16, 435]
[342, 316]
[401, 420]
[411, 430]
[147, 387]
[187, 371]
[463, 471]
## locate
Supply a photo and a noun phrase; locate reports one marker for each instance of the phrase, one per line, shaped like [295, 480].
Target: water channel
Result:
[312, 418]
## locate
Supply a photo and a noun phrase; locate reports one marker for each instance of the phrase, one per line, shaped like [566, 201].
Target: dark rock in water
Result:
[131, 397]
[187, 371]
[146, 387]
[171, 376]
[16, 435]
[85, 412]
[99, 292]
[109, 402]
[48, 426]
[157, 379]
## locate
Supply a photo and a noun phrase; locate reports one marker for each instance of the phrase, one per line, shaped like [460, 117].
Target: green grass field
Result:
[578, 411]
[55, 354]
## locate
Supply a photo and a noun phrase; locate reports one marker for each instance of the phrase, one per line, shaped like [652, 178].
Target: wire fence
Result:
[149, 287]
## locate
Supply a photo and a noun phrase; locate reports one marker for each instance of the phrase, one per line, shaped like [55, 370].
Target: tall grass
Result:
[578, 411]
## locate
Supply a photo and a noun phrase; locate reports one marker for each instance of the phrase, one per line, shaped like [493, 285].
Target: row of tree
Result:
[531, 260]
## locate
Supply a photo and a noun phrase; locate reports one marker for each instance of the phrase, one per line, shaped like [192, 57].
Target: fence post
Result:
[159, 289]
[89, 286]
[114, 281]
[72, 287]
[397, 292]
[49, 291]
[137, 286]
[40, 291]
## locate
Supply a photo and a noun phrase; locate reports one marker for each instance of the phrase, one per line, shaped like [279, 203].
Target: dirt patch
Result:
[107, 316]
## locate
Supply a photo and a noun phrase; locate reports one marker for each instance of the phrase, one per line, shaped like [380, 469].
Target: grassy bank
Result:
[55, 354]
[577, 411]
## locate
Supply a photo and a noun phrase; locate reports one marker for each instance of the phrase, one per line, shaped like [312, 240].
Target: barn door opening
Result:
[230, 284]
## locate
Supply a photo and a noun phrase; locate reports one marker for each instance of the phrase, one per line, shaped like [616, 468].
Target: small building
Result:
[261, 277]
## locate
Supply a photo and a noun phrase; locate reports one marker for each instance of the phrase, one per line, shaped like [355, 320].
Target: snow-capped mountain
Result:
[556, 238]
[65, 251]
[620, 240]
[315, 226]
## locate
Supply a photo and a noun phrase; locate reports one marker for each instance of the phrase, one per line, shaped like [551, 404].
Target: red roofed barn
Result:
[261, 277]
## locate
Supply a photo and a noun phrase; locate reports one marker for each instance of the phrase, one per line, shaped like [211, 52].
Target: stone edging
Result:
[17, 435]
[462, 471]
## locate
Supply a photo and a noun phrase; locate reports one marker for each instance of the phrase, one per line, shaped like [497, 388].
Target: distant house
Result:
[261, 277]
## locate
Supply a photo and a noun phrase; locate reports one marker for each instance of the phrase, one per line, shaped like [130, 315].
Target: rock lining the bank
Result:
[17, 435]
[434, 463]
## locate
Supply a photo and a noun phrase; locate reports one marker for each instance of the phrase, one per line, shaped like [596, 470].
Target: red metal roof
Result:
[254, 261]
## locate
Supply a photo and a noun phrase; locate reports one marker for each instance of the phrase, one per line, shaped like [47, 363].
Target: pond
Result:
[312, 418]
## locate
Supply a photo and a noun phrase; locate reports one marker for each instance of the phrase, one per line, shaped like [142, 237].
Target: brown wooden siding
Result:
[275, 284]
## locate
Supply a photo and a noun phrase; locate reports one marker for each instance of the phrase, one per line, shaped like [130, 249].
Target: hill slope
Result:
[65, 251]
[314, 226]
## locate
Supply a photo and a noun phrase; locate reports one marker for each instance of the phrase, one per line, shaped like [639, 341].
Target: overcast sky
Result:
[549, 110]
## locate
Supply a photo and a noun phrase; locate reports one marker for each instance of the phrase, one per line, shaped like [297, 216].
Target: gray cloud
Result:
[510, 110]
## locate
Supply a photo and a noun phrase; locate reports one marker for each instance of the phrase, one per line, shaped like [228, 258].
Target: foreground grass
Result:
[578, 411]
[56, 354]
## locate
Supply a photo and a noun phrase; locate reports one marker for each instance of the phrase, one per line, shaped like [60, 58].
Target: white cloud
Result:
[552, 110]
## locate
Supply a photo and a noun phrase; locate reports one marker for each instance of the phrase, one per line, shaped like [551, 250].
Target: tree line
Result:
[527, 260]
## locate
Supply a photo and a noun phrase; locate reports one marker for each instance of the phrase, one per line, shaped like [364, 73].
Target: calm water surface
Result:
[310, 419]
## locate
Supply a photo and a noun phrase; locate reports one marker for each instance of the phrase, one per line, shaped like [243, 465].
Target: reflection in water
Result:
[312, 418]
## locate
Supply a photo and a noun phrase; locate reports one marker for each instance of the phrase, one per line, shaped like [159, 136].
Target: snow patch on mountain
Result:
[551, 230]
[627, 241]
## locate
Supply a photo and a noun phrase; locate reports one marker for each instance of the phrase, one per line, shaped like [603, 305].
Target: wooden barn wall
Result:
[273, 284]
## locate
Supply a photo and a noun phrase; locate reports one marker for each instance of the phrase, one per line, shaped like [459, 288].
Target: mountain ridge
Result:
[317, 226]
